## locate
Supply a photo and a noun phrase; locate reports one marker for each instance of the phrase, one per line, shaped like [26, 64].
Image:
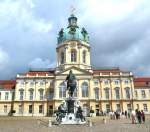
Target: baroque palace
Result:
[39, 92]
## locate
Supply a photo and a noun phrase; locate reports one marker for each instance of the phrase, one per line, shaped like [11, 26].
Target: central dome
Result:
[72, 32]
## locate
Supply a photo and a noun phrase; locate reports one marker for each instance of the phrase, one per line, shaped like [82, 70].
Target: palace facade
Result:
[39, 92]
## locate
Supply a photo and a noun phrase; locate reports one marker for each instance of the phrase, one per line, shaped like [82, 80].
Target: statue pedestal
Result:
[71, 119]
[72, 116]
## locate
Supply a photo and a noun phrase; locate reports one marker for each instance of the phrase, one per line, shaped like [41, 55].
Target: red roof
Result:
[142, 82]
[40, 73]
[117, 70]
[7, 84]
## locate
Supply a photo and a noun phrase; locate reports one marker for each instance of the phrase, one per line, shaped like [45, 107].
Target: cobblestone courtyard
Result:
[28, 124]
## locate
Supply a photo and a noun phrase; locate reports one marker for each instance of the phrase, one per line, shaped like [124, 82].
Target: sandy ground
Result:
[40, 124]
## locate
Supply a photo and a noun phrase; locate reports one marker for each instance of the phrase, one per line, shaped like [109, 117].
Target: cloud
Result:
[23, 35]
[119, 33]
[109, 11]
[4, 60]
[41, 63]
[31, 3]
[21, 13]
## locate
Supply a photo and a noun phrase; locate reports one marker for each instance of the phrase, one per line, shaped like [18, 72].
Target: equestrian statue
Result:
[71, 83]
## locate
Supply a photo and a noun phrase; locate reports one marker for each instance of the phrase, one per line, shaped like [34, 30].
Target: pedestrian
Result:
[126, 114]
[139, 116]
[143, 116]
[133, 116]
[129, 115]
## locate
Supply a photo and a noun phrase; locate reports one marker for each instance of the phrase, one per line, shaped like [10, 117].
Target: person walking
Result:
[143, 116]
[133, 116]
[139, 116]
[126, 114]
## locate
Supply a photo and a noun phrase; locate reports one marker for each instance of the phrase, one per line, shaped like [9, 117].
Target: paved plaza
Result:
[32, 124]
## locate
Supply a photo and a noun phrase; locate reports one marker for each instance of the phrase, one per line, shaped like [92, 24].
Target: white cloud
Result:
[41, 63]
[107, 11]
[4, 59]
[21, 13]
[31, 3]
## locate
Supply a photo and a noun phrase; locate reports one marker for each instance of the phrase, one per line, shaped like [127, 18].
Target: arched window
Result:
[117, 92]
[96, 91]
[62, 90]
[41, 93]
[31, 93]
[21, 91]
[62, 60]
[73, 55]
[127, 91]
[107, 93]
[84, 88]
[84, 56]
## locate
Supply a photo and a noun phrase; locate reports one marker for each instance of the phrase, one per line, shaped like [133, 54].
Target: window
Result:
[117, 92]
[41, 83]
[62, 58]
[118, 107]
[143, 94]
[31, 84]
[73, 55]
[106, 82]
[21, 94]
[21, 83]
[145, 107]
[40, 108]
[5, 108]
[96, 91]
[0, 95]
[6, 95]
[41, 92]
[129, 107]
[96, 82]
[31, 94]
[84, 88]
[116, 82]
[127, 91]
[137, 106]
[84, 56]
[107, 108]
[62, 90]
[126, 82]
[136, 93]
[20, 109]
[107, 93]
[51, 94]
[30, 109]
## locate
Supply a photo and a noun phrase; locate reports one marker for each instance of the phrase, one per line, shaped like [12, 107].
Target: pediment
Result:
[75, 70]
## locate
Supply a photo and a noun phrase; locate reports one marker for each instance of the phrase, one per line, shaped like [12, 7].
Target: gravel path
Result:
[28, 124]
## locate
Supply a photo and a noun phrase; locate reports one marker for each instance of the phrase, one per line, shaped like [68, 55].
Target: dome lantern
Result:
[73, 32]
[72, 21]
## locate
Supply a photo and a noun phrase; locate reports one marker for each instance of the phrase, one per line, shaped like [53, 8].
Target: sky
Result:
[119, 33]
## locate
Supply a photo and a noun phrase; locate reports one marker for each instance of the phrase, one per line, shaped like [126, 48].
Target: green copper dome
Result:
[72, 32]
